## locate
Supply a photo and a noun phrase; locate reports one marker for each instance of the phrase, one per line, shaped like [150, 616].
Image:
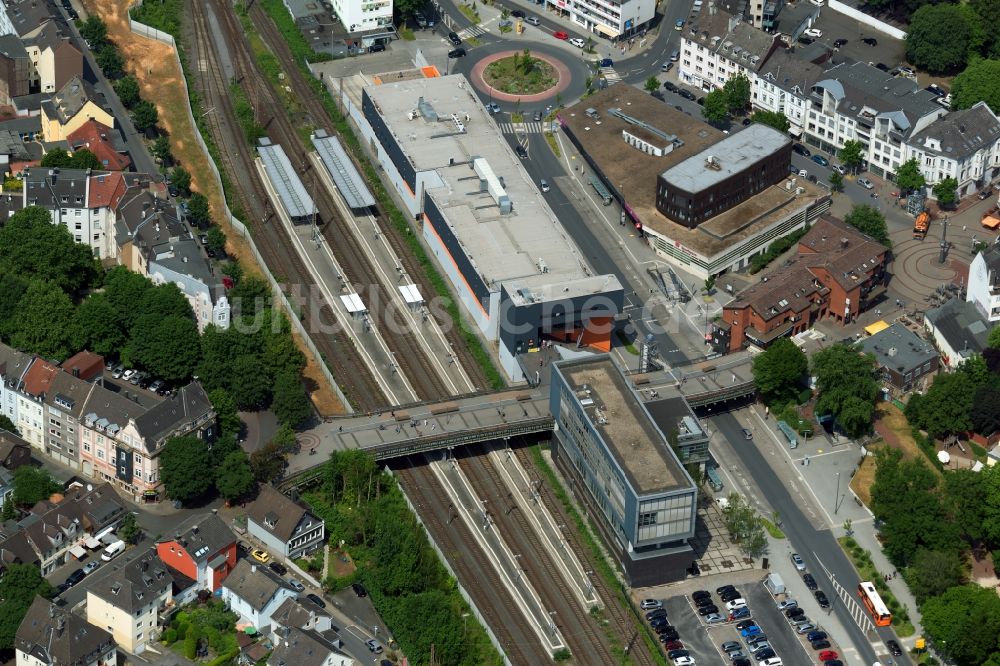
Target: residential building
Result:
[55, 60]
[14, 451]
[104, 142]
[298, 613]
[254, 592]
[609, 19]
[518, 291]
[639, 139]
[854, 101]
[359, 16]
[719, 46]
[204, 550]
[35, 384]
[984, 283]
[126, 599]
[621, 467]
[70, 107]
[964, 145]
[284, 527]
[905, 361]
[13, 366]
[15, 68]
[52, 529]
[51, 635]
[837, 272]
[308, 648]
[783, 84]
[959, 331]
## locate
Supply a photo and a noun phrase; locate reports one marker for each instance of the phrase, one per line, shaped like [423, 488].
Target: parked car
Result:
[91, 567]
[820, 160]
[296, 585]
[714, 618]
[764, 655]
[821, 645]
[801, 150]
[667, 66]
[839, 168]
[805, 628]
[76, 577]
[827, 655]
[559, 34]
[686, 94]
[278, 568]
[809, 581]
[315, 598]
[730, 645]
[684, 661]
[740, 626]
[128, 374]
[806, 41]
[730, 595]
[457, 53]
[759, 646]
[822, 599]
[794, 612]
[156, 385]
[517, 13]
[374, 646]
[667, 85]
[881, 65]
[708, 610]
[785, 604]
[741, 662]
[746, 121]
[673, 645]
[676, 654]
[839, 43]
[577, 42]
[800, 620]
[738, 602]
[655, 613]
[679, 24]
[359, 589]
[668, 636]
[378, 47]
[740, 613]
[870, 41]
[816, 635]
[799, 563]
[454, 38]
[533, 21]
[865, 183]
[833, 662]
[816, 33]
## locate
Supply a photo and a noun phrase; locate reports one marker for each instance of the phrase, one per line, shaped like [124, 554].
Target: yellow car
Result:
[261, 556]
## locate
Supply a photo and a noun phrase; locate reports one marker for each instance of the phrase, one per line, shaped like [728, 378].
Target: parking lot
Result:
[891, 52]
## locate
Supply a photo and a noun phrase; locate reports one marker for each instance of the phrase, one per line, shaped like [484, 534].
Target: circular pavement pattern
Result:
[916, 270]
[562, 71]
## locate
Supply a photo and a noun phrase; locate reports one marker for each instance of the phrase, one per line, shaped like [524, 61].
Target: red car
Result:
[827, 655]
[560, 35]
[673, 645]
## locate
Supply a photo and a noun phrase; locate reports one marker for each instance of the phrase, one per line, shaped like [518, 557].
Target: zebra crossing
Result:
[522, 128]
[472, 31]
[610, 75]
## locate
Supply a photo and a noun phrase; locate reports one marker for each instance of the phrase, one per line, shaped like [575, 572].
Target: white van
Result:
[113, 551]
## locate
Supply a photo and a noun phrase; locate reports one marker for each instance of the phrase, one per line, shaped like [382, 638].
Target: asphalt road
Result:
[812, 544]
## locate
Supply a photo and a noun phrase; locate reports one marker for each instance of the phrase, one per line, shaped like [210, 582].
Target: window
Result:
[100, 454]
[646, 519]
[86, 447]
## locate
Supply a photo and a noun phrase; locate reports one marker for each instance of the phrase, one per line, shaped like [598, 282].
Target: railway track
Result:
[478, 576]
[316, 112]
[355, 263]
[238, 158]
[625, 623]
[584, 637]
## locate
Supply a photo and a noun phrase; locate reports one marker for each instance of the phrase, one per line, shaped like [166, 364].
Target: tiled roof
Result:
[205, 536]
[132, 585]
[38, 380]
[731, 38]
[254, 584]
[57, 637]
[97, 138]
[188, 405]
[84, 364]
[276, 513]
[105, 190]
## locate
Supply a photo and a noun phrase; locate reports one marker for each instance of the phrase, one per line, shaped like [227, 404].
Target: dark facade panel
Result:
[692, 208]
[522, 324]
[434, 217]
[123, 464]
[388, 142]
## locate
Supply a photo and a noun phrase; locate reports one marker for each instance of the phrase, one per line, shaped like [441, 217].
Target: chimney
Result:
[53, 176]
[844, 243]
[892, 351]
[76, 371]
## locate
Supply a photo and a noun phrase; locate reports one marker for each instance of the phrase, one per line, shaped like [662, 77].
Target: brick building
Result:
[837, 272]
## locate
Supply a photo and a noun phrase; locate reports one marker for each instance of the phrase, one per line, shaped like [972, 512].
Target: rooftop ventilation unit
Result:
[427, 110]
[489, 182]
[712, 162]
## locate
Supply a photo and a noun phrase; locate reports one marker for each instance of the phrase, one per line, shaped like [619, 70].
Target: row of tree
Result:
[943, 38]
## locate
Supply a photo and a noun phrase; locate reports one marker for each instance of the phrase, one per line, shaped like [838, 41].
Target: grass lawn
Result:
[862, 482]
[518, 75]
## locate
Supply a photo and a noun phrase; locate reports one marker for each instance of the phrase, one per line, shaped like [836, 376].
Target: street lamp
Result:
[836, 498]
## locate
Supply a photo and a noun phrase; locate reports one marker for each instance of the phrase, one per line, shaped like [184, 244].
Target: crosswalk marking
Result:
[610, 75]
[472, 31]
[521, 128]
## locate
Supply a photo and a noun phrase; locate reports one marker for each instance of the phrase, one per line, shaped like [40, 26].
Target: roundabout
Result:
[500, 75]
[521, 74]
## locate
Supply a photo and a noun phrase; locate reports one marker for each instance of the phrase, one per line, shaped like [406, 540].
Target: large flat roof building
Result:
[623, 467]
[512, 263]
[725, 237]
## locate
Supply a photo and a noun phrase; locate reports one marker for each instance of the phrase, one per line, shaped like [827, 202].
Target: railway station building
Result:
[618, 449]
[705, 201]
[514, 267]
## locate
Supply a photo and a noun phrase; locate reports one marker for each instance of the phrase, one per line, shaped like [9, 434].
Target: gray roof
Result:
[858, 86]
[10, 204]
[961, 324]
[960, 133]
[350, 183]
[255, 584]
[301, 648]
[12, 47]
[204, 536]
[732, 154]
[788, 69]
[899, 349]
[183, 409]
[70, 99]
[68, 393]
[285, 180]
[54, 188]
[297, 612]
[277, 513]
[184, 256]
[112, 410]
[29, 125]
[132, 585]
[27, 15]
[991, 256]
[58, 637]
[12, 144]
[720, 32]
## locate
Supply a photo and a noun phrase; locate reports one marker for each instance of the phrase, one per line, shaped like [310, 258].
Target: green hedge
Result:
[776, 249]
[164, 15]
[224, 658]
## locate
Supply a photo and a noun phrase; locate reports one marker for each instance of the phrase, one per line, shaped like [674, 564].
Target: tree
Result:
[852, 154]
[161, 149]
[988, 12]
[168, 347]
[778, 372]
[12, 288]
[716, 108]
[216, 239]
[964, 623]
[985, 412]
[869, 221]
[234, 478]
[110, 60]
[129, 530]
[181, 179]
[846, 383]
[652, 84]
[908, 176]
[268, 462]
[938, 38]
[993, 340]
[43, 321]
[185, 467]
[96, 326]
[975, 368]
[945, 191]
[775, 119]
[8, 425]
[9, 511]
[124, 291]
[979, 82]
[94, 31]
[932, 572]
[61, 159]
[165, 300]
[250, 294]
[251, 388]
[290, 403]
[144, 115]
[947, 405]
[836, 181]
[745, 526]
[32, 485]
[20, 585]
[737, 89]
[127, 89]
[225, 409]
[966, 500]
[32, 247]
[198, 211]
